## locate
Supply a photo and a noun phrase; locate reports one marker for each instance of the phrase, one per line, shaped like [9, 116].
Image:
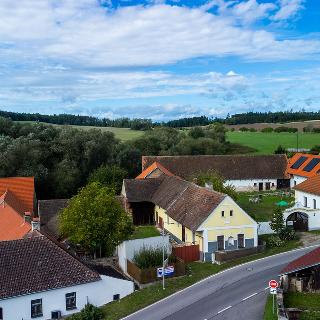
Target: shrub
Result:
[253, 130]
[287, 234]
[285, 129]
[280, 150]
[267, 130]
[243, 129]
[274, 241]
[89, 312]
[149, 257]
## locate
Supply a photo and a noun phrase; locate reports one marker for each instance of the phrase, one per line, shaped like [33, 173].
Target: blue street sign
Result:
[168, 271]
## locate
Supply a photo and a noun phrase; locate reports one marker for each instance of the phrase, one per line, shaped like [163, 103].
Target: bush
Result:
[274, 241]
[285, 129]
[267, 130]
[280, 150]
[243, 129]
[287, 234]
[149, 257]
[89, 312]
[253, 130]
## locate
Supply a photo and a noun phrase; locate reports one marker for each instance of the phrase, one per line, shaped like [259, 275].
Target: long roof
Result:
[185, 202]
[37, 264]
[308, 260]
[311, 185]
[304, 165]
[231, 167]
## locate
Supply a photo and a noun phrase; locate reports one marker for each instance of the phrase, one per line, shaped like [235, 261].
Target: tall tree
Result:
[277, 221]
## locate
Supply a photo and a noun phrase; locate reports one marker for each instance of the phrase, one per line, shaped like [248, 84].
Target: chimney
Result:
[27, 217]
[35, 224]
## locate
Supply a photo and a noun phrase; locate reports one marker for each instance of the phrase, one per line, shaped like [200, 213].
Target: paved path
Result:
[238, 293]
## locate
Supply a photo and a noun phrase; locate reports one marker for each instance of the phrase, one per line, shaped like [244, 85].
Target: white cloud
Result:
[288, 9]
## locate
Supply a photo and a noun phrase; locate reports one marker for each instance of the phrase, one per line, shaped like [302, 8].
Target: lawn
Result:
[266, 143]
[196, 272]
[123, 134]
[268, 313]
[263, 210]
[309, 302]
[141, 232]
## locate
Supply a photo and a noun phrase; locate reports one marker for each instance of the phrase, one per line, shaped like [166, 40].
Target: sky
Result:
[159, 59]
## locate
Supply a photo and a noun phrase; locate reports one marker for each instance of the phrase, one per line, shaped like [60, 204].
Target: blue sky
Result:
[159, 59]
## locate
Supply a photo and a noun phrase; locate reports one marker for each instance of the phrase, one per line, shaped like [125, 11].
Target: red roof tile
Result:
[311, 185]
[300, 170]
[155, 165]
[308, 260]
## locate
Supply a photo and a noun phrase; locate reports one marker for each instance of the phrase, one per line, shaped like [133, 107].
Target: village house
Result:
[303, 166]
[17, 203]
[190, 214]
[305, 214]
[244, 172]
[39, 279]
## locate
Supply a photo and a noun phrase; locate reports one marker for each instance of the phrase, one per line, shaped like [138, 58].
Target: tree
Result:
[280, 150]
[196, 132]
[109, 176]
[217, 182]
[277, 221]
[95, 219]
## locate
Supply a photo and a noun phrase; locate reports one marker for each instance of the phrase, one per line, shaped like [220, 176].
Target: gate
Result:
[188, 253]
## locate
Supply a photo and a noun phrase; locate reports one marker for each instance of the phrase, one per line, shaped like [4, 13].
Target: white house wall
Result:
[252, 185]
[296, 180]
[97, 293]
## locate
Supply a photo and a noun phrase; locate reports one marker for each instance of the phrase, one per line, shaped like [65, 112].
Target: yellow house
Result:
[191, 214]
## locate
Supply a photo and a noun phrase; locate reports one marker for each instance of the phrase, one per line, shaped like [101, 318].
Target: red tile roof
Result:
[155, 165]
[311, 185]
[308, 260]
[299, 171]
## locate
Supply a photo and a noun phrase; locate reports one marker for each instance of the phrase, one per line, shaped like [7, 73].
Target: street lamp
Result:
[163, 260]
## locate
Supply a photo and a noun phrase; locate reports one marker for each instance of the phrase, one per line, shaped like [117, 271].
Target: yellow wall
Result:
[239, 218]
[249, 233]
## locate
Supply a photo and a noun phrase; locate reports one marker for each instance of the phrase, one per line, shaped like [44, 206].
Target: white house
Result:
[305, 214]
[303, 166]
[40, 280]
[244, 172]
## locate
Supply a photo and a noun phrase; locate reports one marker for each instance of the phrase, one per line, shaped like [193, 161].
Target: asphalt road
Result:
[238, 293]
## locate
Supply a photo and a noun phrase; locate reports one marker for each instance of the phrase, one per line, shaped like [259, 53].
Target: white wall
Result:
[299, 197]
[296, 180]
[97, 293]
[248, 185]
[264, 228]
[127, 249]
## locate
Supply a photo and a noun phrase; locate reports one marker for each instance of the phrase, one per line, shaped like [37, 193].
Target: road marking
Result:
[266, 288]
[224, 309]
[248, 297]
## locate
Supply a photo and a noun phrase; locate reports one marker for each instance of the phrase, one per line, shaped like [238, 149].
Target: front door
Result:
[240, 240]
[267, 185]
[160, 222]
[260, 186]
[220, 242]
[183, 236]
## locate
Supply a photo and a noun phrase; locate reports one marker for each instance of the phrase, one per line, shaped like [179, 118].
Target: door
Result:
[240, 240]
[157, 218]
[160, 222]
[299, 221]
[220, 242]
[260, 186]
[267, 185]
[183, 236]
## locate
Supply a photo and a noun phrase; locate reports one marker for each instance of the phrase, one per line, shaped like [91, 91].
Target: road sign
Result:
[168, 271]
[273, 284]
[273, 290]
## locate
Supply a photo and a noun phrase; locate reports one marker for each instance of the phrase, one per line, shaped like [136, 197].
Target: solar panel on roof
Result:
[311, 164]
[299, 162]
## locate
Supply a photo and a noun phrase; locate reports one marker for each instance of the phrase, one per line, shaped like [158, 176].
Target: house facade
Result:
[191, 214]
[305, 214]
[50, 283]
[245, 173]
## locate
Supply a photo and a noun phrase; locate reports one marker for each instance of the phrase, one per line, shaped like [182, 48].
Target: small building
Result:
[302, 274]
[303, 166]
[305, 214]
[190, 214]
[244, 172]
[39, 279]
[17, 202]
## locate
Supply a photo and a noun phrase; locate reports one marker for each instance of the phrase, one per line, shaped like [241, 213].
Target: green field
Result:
[123, 134]
[266, 143]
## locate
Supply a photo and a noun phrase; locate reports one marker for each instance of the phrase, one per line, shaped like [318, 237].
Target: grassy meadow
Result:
[266, 143]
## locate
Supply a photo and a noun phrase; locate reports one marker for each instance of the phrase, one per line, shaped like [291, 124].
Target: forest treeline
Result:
[146, 124]
[63, 159]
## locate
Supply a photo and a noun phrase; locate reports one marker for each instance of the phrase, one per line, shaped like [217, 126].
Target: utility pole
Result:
[298, 140]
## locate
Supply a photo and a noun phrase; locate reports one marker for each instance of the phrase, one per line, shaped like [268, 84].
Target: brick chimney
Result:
[27, 217]
[35, 224]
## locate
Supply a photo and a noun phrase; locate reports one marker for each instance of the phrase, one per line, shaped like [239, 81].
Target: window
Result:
[240, 240]
[231, 213]
[272, 184]
[1, 314]
[71, 301]
[314, 204]
[36, 308]
[295, 182]
[306, 202]
[222, 213]
[255, 184]
[116, 297]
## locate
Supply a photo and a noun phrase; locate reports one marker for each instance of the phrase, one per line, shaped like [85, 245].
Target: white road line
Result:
[224, 309]
[248, 297]
[266, 288]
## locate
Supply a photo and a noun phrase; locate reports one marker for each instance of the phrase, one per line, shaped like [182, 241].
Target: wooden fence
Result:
[187, 253]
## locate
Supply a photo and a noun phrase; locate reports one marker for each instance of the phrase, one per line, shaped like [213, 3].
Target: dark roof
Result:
[311, 185]
[37, 264]
[106, 271]
[184, 201]
[48, 211]
[306, 261]
[231, 167]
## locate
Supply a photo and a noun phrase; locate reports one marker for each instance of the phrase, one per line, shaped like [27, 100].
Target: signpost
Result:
[168, 271]
[273, 285]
